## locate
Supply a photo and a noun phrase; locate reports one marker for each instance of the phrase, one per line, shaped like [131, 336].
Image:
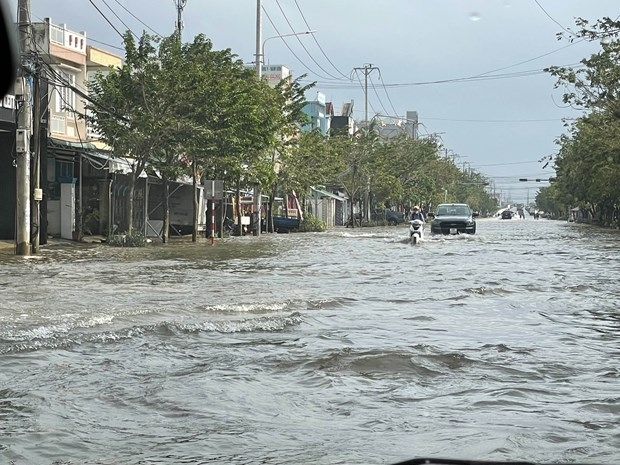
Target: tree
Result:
[231, 115]
[587, 164]
[289, 99]
[131, 126]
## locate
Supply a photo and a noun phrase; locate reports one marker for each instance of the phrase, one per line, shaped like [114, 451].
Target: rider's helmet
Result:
[416, 207]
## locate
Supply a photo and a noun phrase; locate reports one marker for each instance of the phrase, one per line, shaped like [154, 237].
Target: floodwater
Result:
[345, 347]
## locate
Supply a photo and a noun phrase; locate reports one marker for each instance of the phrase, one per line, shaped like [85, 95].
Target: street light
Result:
[259, 59]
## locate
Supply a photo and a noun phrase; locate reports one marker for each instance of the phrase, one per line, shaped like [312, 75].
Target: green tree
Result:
[282, 161]
[130, 120]
[587, 164]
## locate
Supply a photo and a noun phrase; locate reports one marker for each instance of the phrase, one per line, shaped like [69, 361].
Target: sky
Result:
[500, 120]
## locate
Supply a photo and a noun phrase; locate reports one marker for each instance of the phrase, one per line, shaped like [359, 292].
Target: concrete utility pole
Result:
[24, 130]
[259, 39]
[36, 171]
[256, 228]
[368, 68]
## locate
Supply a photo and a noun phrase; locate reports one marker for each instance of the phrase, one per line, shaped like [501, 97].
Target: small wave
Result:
[287, 305]
[277, 323]
[64, 340]
[366, 235]
[375, 363]
[486, 291]
[245, 307]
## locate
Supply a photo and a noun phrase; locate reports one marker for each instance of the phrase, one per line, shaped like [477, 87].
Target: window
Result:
[58, 124]
[57, 35]
[65, 96]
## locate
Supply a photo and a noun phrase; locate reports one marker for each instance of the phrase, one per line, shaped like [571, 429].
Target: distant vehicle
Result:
[453, 218]
[285, 224]
[507, 215]
[393, 218]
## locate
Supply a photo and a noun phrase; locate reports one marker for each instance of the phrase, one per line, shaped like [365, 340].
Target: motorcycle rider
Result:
[417, 214]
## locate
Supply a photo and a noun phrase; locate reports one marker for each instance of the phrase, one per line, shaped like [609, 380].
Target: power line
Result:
[318, 45]
[290, 49]
[142, 22]
[302, 45]
[104, 17]
[551, 17]
[127, 28]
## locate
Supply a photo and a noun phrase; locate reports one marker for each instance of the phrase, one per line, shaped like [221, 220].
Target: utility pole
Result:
[24, 130]
[259, 39]
[368, 68]
[256, 228]
[180, 4]
[36, 171]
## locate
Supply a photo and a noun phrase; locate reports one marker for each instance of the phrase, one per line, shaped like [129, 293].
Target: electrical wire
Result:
[290, 49]
[127, 28]
[139, 20]
[104, 17]
[379, 98]
[551, 17]
[386, 93]
[319, 46]
[302, 44]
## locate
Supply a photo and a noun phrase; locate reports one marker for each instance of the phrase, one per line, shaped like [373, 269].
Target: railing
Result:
[60, 35]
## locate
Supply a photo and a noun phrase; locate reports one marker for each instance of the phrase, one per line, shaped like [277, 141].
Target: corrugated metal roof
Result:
[329, 194]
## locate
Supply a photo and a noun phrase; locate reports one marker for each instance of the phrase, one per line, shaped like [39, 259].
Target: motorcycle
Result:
[416, 231]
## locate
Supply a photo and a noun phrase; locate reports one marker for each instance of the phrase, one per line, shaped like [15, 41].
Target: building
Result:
[394, 126]
[275, 73]
[343, 123]
[316, 110]
[62, 75]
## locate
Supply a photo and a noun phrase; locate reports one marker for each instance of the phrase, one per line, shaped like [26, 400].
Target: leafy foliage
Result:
[312, 223]
[588, 161]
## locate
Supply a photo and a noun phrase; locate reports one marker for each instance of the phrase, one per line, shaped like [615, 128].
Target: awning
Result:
[71, 146]
[329, 194]
[107, 160]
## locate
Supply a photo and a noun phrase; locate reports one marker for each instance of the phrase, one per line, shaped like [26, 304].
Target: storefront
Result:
[7, 167]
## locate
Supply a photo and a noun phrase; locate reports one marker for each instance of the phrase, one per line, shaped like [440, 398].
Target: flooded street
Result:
[345, 347]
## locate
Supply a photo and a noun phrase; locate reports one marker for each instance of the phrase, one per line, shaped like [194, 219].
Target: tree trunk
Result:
[352, 214]
[269, 212]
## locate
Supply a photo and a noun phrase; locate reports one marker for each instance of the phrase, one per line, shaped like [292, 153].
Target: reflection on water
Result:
[349, 346]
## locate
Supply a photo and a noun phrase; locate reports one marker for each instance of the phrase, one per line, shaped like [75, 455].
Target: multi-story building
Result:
[317, 114]
[275, 73]
[62, 76]
[344, 122]
[64, 64]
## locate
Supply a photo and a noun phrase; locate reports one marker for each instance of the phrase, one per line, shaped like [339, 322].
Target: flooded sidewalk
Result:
[8, 246]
